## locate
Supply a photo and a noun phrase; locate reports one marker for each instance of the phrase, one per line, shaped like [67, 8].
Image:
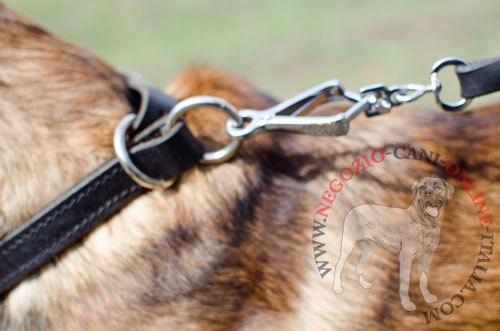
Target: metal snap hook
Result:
[436, 84]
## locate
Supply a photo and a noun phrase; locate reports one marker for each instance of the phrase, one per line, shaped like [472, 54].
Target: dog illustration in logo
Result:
[411, 232]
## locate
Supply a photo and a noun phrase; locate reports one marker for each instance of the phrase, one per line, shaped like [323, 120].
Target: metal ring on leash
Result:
[184, 106]
[130, 168]
[436, 84]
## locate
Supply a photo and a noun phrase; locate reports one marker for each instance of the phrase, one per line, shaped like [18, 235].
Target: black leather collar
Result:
[99, 195]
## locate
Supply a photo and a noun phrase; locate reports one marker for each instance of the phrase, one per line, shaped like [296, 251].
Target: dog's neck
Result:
[66, 104]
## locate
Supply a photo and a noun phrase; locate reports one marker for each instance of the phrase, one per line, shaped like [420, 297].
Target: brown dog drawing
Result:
[411, 232]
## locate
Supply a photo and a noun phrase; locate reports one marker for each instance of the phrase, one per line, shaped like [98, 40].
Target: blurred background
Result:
[281, 47]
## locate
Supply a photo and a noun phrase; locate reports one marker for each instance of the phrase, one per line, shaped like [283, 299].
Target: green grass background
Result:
[282, 47]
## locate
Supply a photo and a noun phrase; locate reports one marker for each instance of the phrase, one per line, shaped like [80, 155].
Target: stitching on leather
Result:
[68, 205]
[43, 254]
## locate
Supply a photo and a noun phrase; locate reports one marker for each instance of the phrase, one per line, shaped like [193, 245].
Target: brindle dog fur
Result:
[229, 246]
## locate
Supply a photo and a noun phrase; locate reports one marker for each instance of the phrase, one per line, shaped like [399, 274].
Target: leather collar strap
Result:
[479, 77]
[100, 195]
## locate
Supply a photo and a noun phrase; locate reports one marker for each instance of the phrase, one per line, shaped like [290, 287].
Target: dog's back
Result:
[229, 246]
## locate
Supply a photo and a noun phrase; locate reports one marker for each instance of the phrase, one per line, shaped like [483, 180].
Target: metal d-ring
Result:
[130, 168]
[184, 106]
[436, 84]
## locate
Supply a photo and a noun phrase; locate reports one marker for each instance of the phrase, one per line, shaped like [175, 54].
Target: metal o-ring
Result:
[184, 106]
[436, 84]
[130, 168]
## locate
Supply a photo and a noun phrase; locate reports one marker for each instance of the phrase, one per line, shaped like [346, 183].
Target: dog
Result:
[228, 247]
[411, 232]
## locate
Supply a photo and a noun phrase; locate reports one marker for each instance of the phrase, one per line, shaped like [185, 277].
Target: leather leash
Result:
[479, 78]
[160, 148]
